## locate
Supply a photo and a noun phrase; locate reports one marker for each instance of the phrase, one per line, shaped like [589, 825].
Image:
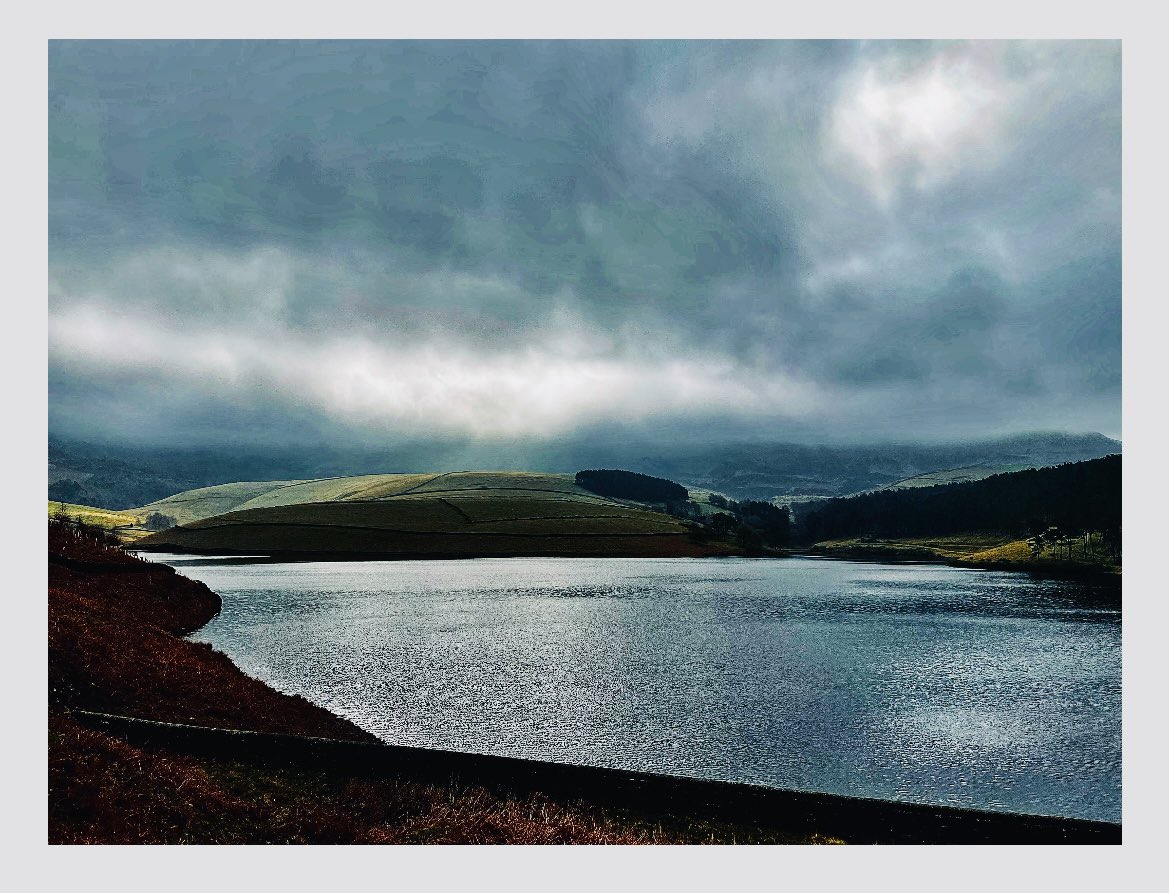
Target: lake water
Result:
[911, 682]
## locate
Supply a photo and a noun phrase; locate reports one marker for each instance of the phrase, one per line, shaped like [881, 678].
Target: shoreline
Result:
[282, 556]
[1053, 569]
[871, 555]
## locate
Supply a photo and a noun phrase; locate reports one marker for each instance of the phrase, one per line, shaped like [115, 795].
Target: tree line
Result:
[1070, 498]
[631, 485]
[752, 524]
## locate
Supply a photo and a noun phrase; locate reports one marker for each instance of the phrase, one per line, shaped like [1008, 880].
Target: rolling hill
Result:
[203, 502]
[455, 514]
[206, 502]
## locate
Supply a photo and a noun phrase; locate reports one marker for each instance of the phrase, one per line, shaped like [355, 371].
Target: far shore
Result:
[891, 552]
[304, 556]
[935, 552]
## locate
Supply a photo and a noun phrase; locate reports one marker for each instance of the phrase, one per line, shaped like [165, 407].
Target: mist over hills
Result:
[490, 245]
[116, 477]
[767, 471]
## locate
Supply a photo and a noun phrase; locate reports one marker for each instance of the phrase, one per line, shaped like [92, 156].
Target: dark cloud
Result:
[535, 238]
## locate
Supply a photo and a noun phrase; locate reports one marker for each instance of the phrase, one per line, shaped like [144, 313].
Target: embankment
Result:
[656, 798]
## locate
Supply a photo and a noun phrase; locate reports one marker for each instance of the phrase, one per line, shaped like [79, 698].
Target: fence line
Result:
[854, 819]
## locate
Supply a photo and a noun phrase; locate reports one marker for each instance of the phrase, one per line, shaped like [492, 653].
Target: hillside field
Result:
[457, 514]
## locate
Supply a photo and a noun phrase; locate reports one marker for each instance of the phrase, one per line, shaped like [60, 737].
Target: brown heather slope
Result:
[104, 790]
[114, 646]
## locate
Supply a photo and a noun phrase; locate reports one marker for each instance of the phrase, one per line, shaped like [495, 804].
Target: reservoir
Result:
[921, 683]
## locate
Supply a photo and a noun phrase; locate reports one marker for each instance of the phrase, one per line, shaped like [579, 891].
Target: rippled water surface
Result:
[920, 683]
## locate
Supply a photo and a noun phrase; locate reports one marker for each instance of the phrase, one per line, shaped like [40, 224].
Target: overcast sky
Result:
[492, 242]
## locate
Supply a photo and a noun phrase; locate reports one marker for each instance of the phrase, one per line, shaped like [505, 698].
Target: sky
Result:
[261, 243]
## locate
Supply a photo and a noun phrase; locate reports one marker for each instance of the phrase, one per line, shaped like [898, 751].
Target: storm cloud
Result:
[493, 241]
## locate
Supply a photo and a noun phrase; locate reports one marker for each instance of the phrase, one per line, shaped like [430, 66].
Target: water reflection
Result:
[924, 683]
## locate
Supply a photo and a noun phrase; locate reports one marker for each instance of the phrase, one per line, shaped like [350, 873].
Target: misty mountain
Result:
[85, 474]
[768, 471]
[118, 477]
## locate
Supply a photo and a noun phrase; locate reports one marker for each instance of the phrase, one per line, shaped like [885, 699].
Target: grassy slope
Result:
[441, 525]
[125, 525]
[1016, 555]
[104, 518]
[206, 502]
[192, 505]
[453, 514]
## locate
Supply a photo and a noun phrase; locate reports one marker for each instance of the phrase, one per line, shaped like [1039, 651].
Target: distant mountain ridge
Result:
[96, 476]
[767, 471]
[114, 478]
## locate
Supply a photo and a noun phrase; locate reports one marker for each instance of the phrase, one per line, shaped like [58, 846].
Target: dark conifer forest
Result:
[631, 485]
[1077, 496]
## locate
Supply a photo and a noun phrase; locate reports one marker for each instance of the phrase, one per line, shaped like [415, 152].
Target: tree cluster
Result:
[631, 485]
[159, 521]
[754, 523]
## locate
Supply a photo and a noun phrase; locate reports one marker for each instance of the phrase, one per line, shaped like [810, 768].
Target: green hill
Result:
[456, 514]
[193, 505]
[206, 502]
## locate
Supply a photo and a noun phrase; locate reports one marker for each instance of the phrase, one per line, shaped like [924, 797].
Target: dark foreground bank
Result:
[661, 801]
